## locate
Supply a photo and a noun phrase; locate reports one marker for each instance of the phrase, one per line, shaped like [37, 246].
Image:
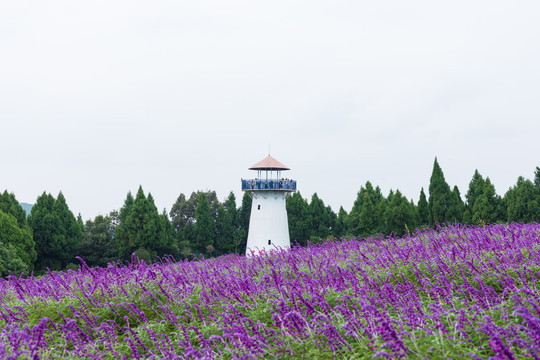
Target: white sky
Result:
[97, 97]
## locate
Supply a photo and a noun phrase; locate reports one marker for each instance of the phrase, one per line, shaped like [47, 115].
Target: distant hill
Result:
[27, 207]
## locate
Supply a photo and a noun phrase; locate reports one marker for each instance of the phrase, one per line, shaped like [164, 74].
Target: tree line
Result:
[50, 237]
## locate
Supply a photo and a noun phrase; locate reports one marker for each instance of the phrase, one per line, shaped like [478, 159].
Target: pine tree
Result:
[204, 228]
[423, 208]
[440, 196]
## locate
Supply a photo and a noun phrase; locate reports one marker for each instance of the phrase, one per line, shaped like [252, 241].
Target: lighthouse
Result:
[268, 223]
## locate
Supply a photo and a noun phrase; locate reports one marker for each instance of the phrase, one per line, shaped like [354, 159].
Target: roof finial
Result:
[268, 149]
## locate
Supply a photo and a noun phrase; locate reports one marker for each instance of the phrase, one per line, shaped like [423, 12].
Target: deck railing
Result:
[269, 184]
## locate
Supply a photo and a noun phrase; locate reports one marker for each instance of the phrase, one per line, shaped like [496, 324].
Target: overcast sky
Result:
[99, 97]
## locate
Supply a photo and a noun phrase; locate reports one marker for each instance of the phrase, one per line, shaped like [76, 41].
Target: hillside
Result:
[27, 207]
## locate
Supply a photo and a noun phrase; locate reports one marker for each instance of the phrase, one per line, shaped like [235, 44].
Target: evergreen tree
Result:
[244, 214]
[97, 247]
[537, 178]
[398, 214]
[183, 210]
[21, 239]
[476, 188]
[523, 202]
[204, 227]
[423, 208]
[456, 207]
[367, 215]
[299, 218]
[10, 205]
[486, 207]
[71, 231]
[168, 243]
[440, 197]
[56, 232]
[142, 230]
[321, 218]
[17, 253]
[224, 231]
[227, 226]
[341, 223]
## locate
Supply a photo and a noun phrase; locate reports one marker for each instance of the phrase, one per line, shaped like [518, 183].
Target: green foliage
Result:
[423, 208]
[97, 246]
[225, 231]
[322, 217]
[244, 214]
[204, 227]
[15, 236]
[299, 218]
[142, 227]
[17, 251]
[442, 203]
[56, 232]
[10, 205]
[523, 201]
[399, 214]
[367, 215]
[340, 228]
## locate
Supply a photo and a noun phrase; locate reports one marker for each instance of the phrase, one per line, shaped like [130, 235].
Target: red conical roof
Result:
[269, 163]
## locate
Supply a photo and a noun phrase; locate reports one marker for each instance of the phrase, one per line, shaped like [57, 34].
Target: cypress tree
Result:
[17, 252]
[299, 217]
[97, 246]
[204, 228]
[244, 213]
[71, 231]
[440, 196]
[522, 202]
[398, 214]
[21, 239]
[367, 215]
[10, 205]
[423, 208]
[456, 207]
[56, 232]
[321, 218]
[476, 188]
[487, 206]
[224, 231]
[340, 228]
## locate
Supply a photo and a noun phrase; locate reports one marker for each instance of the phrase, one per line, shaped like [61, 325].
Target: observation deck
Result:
[269, 177]
[268, 184]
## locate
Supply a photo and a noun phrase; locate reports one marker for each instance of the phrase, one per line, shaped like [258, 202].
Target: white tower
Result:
[268, 224]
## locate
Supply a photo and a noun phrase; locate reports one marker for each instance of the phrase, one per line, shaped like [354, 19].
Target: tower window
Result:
[258, 207]
[269, 242]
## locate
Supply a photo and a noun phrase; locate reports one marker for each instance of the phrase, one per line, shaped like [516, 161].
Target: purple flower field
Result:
[455, 293]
